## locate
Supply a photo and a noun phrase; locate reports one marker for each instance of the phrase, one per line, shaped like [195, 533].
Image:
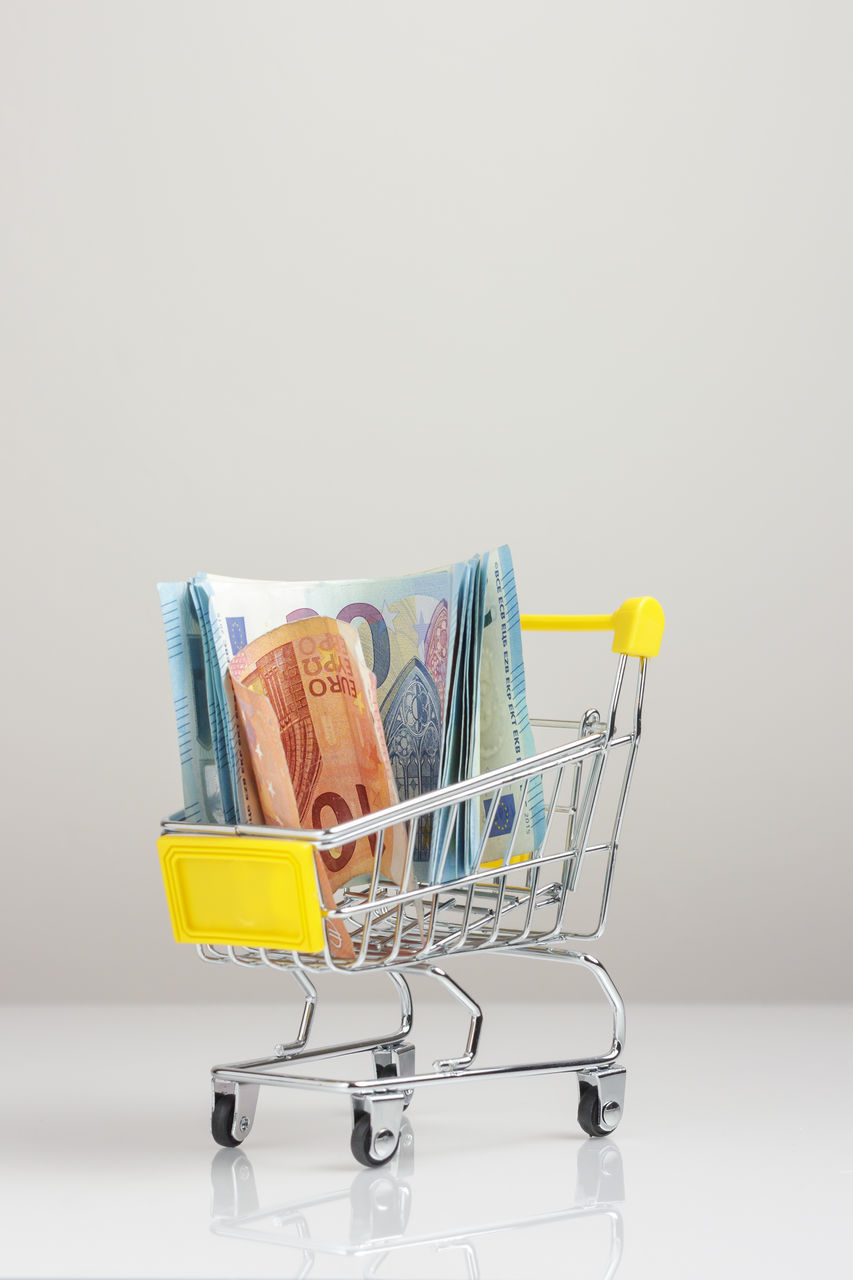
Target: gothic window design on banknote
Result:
[411, 715]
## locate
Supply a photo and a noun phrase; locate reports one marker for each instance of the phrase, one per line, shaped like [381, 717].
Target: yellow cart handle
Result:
[637, 625]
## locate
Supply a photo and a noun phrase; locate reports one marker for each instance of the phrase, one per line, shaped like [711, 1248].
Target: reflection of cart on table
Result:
[370, 1220]
[251, 897]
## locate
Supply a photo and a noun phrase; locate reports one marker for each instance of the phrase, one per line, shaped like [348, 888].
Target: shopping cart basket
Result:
[250, 896]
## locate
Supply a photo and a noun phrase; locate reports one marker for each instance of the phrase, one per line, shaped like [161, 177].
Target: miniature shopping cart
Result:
[250, 896]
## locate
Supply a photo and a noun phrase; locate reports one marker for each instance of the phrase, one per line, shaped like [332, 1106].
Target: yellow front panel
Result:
[240, 891]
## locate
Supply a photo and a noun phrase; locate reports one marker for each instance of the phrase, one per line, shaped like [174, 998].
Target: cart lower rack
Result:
[250, 896]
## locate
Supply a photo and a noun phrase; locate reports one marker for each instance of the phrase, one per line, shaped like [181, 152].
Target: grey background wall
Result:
[325, 290]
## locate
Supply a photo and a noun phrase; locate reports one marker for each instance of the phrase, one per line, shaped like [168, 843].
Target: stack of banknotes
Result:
[305, 704]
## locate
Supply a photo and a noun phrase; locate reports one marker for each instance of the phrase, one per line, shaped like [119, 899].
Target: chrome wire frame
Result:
[517, 907]
[249, 1075]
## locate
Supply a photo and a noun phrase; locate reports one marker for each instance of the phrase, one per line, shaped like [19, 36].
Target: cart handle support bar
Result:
[637, 625]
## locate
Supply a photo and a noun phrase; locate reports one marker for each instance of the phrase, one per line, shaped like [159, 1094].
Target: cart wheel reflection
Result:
[222, 1120]
[380, 1205]
[233, 1185]
[380, 1210]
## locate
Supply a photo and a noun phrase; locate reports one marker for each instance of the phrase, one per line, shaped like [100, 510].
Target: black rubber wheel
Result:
[222, 1118]
[360, 1144]
[384, 1070]
[589, 1113]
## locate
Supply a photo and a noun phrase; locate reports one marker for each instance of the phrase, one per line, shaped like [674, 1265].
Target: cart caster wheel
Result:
[595, 1117]
[222, 1119]
[369, 1151]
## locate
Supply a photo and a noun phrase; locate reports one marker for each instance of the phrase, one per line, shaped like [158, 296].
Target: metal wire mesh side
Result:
[520, 901]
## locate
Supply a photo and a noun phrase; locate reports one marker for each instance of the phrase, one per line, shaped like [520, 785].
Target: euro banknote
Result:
[505, 733]
[491, 728]
[307, 703]
[307, 706]
[407, 629]
[445, 649]
[199, 771]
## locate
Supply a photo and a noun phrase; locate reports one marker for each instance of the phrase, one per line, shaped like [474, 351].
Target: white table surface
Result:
[734, 1157]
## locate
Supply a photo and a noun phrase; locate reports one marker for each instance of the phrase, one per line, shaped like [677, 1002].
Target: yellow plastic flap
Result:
[243, 892]
[637, 625]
